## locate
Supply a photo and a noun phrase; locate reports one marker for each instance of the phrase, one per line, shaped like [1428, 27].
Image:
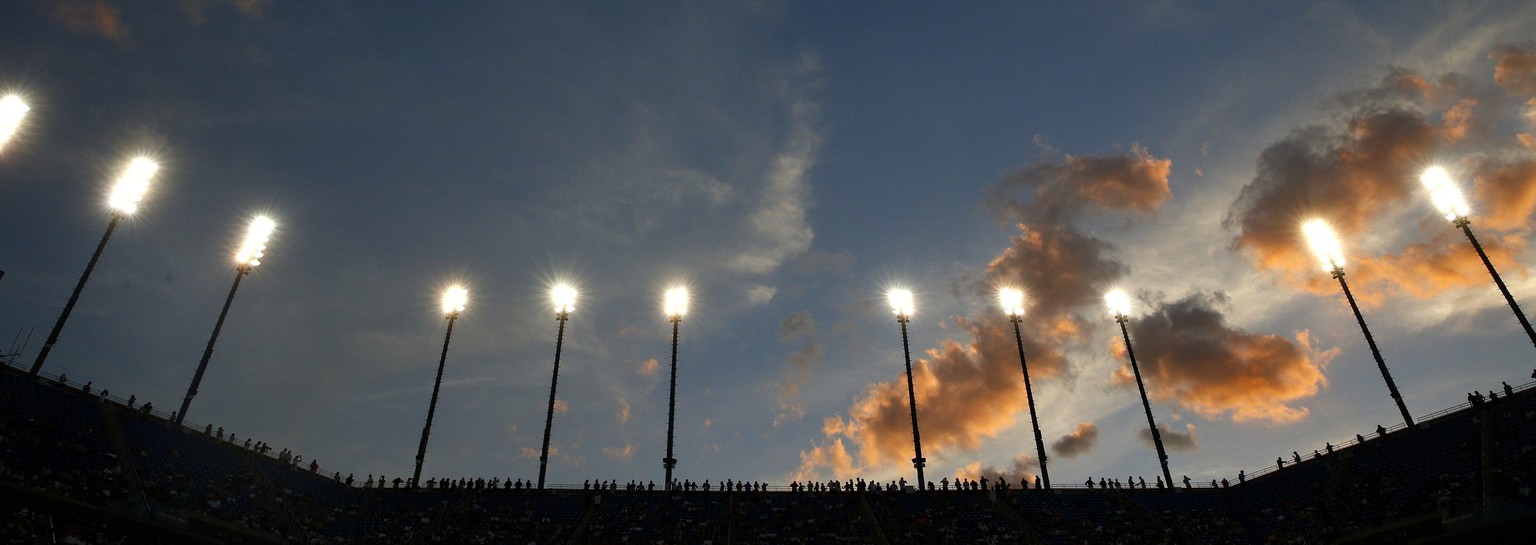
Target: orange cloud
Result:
[97, 17]
[1361, 172]
[620, 453]
[1515, 67]
[648, 367]
[623, 411]
[1080, 440]
[1188, 354]
[1023, 470]
[560, 406]
[1060, 267]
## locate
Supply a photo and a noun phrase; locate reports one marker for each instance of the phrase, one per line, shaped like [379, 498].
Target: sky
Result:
[789, 162]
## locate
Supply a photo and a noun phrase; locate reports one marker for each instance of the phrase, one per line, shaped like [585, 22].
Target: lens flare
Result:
[1012, 301]
[564, 298]
[454, 299]
[255, 246]
[12, 111]
[1445, 194]
[1325, 245]
[132, 184]
[1118, 302]
[901, 302]
[675, 302]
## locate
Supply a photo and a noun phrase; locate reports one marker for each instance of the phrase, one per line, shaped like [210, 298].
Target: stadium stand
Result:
[81, 467]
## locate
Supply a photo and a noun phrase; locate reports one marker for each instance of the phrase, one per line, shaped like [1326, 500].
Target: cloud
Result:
[648, 367]
[624, 410]
[98, 17]
[560, 406]
[1188, 354]
[196, 11]
[1080, 440]
[833, 457]
[620, 453]
[777, 227]
[1023, 470]
[1360, 173]
[799, 367]
[1172, 440]
[1059, 191]
[796, 325]
[1061, 267]
[758, 295]
[1515, 67]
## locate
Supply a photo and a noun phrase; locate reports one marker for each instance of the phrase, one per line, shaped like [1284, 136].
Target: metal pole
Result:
[1157, 436]
[1338, 272]
[1029, 394]
[53, 337]
[917, 443]
[1466, 227]
[197, 378]
[549, 417]
[669, 462]
[421, 451]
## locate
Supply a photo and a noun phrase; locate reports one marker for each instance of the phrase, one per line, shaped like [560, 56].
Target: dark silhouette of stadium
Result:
[80, 466]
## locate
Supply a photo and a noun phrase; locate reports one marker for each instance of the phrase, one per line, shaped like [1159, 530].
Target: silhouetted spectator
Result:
[131, 400]
[1225, 484]
[1241, 477]
[1295, 456]
[1186, 481]
[1328, 447]
[1279, 463]
[86, 389]
[1381, 431]
[1508, 390]
[1089, 483]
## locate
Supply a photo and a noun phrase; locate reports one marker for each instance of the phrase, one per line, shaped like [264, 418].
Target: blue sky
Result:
[789, 162]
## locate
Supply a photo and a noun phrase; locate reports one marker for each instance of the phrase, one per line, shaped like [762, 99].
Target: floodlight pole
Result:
[53, 337]
[1029, 394]
[1338, 272]
[1157, 435]
[669, 462]
[1466, 227]
[421, 451]
[549, 416]
[197, 378]
[917, 443]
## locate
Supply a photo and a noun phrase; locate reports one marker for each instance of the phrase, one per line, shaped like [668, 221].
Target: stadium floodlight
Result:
[1326, 245]
[1119, 304]
[903, 305]
[124, 200]
[454, 300]
[1012, 301]
[1447, 197]
[12, 110]
[563, 296]
[247, 258]
[675, 305]
[132, 185]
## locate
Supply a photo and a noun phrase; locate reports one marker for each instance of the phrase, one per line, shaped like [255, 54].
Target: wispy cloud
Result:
[98, 17]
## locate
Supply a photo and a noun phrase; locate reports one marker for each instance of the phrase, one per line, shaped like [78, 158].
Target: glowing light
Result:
[254, 248]
[901, 302]
[132, 184]
[12, 110]
[564, 298]
[1118, 302]
[675, 302]
[1012, 301]
[454, 300]
[1445, 194]
[1325, 245]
